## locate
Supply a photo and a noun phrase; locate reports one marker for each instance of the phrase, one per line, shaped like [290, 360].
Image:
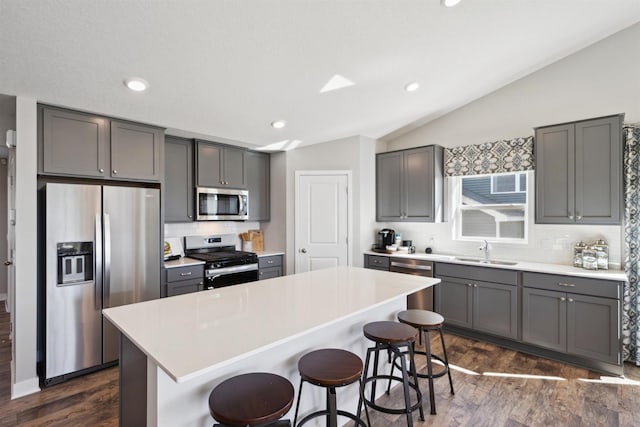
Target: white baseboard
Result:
[24, 388]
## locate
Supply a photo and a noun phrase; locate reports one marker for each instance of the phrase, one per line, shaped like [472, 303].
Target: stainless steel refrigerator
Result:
[102, 250]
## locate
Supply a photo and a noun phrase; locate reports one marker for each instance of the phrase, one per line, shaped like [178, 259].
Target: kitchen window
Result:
[493, 207]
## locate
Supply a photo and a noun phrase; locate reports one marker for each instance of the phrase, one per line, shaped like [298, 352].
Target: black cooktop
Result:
[219, 256]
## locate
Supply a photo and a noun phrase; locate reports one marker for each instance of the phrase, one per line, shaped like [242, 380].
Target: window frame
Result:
[516, 186]
[455, 193]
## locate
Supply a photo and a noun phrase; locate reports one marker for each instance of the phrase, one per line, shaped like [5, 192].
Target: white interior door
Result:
[322, 220]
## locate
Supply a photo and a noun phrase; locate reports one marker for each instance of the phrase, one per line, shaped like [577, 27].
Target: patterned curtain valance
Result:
[512, 155]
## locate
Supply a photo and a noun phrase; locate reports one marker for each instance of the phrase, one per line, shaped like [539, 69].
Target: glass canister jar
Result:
[602, 254]
[577, 254]
[589, 258]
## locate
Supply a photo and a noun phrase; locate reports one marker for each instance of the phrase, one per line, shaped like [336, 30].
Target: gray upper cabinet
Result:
[578, 172]
[136, 151]
[85, 145]
[258, 179]
[219, 165]
[409, 185]
[178, 180]
[73, 143]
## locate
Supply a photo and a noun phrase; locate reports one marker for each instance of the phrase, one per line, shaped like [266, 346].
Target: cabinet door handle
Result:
[562, 298]
[186, 274]
[269, 262]
[475, 286]
[469, 285]
[570, 299]
[570, 216]
[101, 170]
[579, 217]
[566, 285]
[115, 172]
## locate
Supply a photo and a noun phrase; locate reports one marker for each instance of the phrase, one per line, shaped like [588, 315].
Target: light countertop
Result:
[182, 262]
[193, 334]
[267, 253]
[537, 267]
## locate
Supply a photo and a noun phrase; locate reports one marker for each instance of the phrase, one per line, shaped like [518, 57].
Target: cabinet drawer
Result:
[378, 262]
[269, 273]
[185, 287]
[485, 274]
[177, 274]
[270, 261]
[577, 285]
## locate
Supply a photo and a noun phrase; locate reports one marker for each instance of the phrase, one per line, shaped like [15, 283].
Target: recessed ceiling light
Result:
[449, 3]
[136, 84]
[278, 124]
[412, 87]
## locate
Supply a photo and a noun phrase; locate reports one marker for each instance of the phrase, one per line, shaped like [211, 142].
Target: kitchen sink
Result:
[484, 261]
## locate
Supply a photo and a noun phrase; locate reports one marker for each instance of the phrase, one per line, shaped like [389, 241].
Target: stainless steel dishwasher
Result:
[422, 299]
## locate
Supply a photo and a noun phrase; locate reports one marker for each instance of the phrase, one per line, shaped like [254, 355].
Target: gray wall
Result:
[599, 80]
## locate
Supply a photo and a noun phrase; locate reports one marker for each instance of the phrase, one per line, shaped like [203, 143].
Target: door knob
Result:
[303, 250]
[7, 263]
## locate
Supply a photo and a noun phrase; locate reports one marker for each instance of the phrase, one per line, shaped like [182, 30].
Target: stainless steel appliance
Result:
[386, 237]
[423, 299]
[102, 249]
[225, 266]
[221, 204]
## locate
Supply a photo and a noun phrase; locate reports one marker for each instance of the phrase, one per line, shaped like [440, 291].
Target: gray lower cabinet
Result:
[78, 144]
[184, 280]
[257, 168]
[584, 322]
[220, 166]
[578, 172]
[270, 267]
[409, 185]
[481, 306]
[376, 262]
[178, 180]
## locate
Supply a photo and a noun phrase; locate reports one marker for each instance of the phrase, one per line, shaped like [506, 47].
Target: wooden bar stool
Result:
[426, 321]
[255, 399]
[330, 368]
[392, 337]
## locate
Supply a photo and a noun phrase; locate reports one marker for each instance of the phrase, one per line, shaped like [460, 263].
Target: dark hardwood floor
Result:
[572, 397]
[91, 400]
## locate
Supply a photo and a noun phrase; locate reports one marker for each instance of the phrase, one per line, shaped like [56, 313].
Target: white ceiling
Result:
[228, 68]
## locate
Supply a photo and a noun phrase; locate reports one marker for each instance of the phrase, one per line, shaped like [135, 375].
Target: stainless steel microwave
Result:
[221, 204]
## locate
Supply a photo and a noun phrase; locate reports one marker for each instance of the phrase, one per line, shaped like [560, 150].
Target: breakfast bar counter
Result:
[174, 351]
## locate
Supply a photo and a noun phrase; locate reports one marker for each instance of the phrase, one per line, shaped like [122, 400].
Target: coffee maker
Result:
[386, 237]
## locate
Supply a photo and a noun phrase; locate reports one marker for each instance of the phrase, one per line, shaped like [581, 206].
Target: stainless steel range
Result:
[225, 266]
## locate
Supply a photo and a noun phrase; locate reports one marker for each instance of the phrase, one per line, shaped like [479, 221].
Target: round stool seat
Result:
[330, 367]
[251, 399]
[389, 332]
[421, 318]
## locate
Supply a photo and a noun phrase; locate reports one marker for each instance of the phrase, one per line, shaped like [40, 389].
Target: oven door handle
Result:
[217, 272]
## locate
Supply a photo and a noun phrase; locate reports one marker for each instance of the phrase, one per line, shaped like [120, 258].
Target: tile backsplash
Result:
[196, 228]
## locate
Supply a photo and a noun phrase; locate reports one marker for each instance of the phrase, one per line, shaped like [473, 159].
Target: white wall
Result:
[24, 316]
[599, 80]
[197, 228]
[356, 154]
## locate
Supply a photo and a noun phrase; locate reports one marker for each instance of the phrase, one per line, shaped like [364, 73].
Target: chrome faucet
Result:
[485, 248]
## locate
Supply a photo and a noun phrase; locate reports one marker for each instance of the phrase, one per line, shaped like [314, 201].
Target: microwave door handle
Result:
[241, 208]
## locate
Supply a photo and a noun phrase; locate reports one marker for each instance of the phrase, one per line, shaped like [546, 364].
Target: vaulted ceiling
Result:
[228, 68]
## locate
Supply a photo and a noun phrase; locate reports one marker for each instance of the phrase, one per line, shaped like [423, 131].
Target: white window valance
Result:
[510, 155]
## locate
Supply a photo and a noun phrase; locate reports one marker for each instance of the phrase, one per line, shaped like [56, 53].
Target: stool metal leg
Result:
[375, 372]
[332, 415]
[427, 347]
[366, 410]
[405, 386]
[446, 359]
[364, 376]
[412, 366]
[295, 418]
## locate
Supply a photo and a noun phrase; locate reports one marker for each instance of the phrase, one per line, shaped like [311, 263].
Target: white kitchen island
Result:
[174, 351]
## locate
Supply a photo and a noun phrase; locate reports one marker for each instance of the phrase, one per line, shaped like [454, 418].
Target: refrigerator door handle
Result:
[107, 261]
[97, 258]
